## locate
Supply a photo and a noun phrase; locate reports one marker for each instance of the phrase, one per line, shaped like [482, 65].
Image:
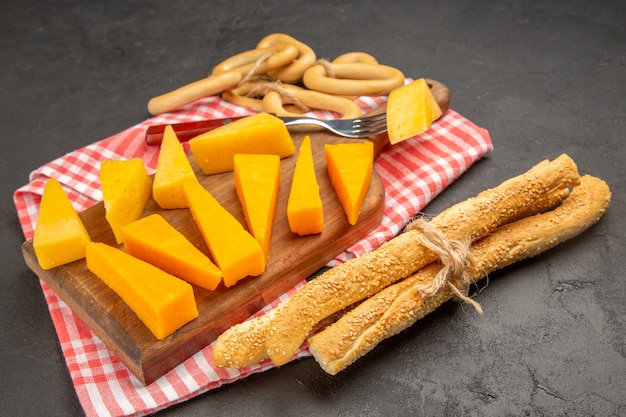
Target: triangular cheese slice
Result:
[257, 181]
[162, 302]
[126, 189]
[411, 109]
[60, 236]
[305, 212]
[154, 240]
[350, 170]
[235, 251]
[173, 168]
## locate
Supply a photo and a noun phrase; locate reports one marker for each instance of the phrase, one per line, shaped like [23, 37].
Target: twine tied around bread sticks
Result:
[453, 255]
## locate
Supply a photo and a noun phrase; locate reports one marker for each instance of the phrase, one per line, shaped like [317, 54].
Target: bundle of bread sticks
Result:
[346, 311]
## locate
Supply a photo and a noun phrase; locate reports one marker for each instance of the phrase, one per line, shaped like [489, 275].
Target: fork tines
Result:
[371, 124]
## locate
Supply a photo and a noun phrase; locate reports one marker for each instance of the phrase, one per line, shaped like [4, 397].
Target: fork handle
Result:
[186, 130]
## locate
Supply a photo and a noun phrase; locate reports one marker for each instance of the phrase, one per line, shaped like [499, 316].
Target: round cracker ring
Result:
[275, 100]
[258, 61]
[353, 79]
[355, 57]
[292, 72]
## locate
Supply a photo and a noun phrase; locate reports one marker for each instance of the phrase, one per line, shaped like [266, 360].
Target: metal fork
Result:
[351, 128]
[360, 127]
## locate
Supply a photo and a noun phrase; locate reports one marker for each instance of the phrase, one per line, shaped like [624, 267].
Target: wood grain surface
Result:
[292, 259]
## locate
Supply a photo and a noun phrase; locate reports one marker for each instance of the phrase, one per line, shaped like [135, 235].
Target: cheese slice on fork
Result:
[411, 109]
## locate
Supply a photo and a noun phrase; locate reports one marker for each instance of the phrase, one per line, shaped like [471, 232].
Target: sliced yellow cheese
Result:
[261, 133]
[155, 241]
[411, 109]
[173, 168]
[350, 170]
[235, 251]
[126, 188]
[257, 181]
[162, 302]
[60, 235]
[305, 211]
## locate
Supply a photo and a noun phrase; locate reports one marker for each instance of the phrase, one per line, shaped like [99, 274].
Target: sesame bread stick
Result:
[400, 305]
[401, 256]
[244, 344]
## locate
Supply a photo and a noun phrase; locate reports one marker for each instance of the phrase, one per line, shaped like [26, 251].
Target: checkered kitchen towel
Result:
[413, 172]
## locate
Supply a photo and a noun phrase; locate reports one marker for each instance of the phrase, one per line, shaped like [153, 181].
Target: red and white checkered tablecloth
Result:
[413, 172]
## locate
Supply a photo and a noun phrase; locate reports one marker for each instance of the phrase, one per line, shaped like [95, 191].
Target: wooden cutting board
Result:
[292, 259]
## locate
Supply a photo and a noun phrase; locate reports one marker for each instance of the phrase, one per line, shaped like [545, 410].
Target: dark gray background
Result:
[544, 77]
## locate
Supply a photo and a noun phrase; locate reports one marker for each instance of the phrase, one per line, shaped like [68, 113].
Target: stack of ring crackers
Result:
[283, 76]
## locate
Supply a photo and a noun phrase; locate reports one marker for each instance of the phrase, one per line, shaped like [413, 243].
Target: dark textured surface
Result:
[542, 77]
